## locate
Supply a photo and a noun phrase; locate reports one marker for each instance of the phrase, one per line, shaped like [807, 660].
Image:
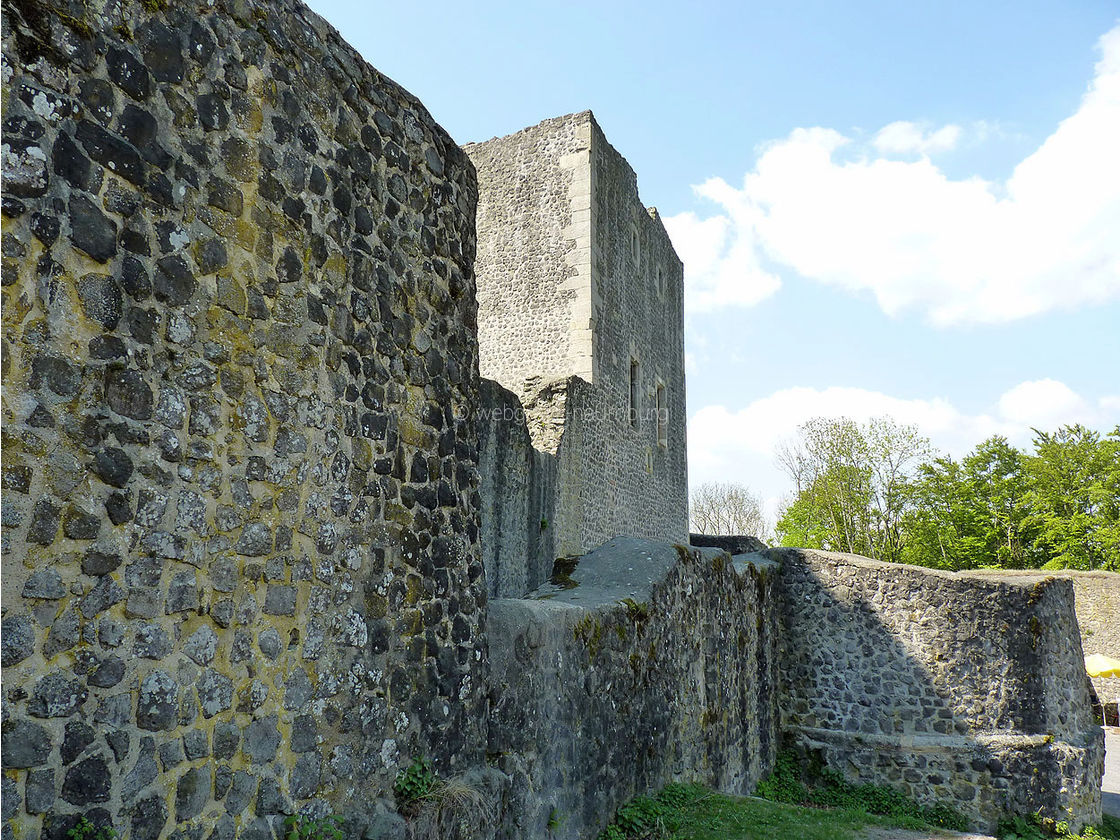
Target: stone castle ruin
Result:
[581, 318]
[269, 536]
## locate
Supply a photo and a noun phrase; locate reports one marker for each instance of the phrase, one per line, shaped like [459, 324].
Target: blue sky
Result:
[906, 208]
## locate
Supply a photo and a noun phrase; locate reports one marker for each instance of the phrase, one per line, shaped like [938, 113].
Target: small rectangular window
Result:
[662, 419]
[634, 393]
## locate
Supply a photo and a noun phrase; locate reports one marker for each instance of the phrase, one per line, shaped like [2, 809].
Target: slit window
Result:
[660, 282]
[634, 393]
[635, 251]
[662, 419]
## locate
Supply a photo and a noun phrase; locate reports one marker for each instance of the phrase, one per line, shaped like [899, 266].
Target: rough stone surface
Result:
[604, 656]
[581, 316]
[966, 688]
[243, 514]
[240, 386]
[1097, 599]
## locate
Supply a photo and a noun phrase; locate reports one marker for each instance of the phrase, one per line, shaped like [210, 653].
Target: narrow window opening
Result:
[662, 419]
[635, 253]
[660, 282]
[634, 393]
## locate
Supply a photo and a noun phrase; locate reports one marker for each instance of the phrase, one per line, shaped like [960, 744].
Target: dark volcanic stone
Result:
[163, 52]
[77, 524]
[157, 708]
[17, 477]
[182, 593]
[255, 540]
[63, 634]
[115, 154]
[24, 744]
[44, 583]
[108, 673]
[280, 600]
[192, 793]
[148, 818]
[71, 163]
[262, 739]
[99, 98]
[128, 72]
[215, 694]
[134, 278]
[194, 744]
[17, 637]
[87, 782]
[91, 230]
[40, 791]
[119, 508]
[289, 269]
[127, 393]
[225, 196]
[101, 299]
[141, 324]
[57, 374]
[212, 112]
[174, 282]
[142, 130]
[104, 594]
[45, 517]
[97, 563]
[212, 256]
[78, 736]
[45, 228]
[113, 466]
[226, 738]
[55, 695]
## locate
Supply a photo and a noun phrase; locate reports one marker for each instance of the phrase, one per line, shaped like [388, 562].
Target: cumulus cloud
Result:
[721, 258]
[904, 137]
[726, 445]
[959, 250]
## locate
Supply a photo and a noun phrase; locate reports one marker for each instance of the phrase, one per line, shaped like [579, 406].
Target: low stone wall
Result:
[962, 688]
[652, 663]
[1096, 597]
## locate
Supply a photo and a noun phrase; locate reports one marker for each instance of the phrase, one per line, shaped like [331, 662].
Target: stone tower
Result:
[581, 316]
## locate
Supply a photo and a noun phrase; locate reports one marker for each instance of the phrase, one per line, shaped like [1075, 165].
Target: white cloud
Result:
[959, 250]
[726, 445]
[1044, 404]
[903, 137]
[721, 260]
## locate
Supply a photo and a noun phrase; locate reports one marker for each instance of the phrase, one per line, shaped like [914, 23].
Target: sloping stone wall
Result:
[240, 546]
[1097, 599]
[599, 694]
[960, 687]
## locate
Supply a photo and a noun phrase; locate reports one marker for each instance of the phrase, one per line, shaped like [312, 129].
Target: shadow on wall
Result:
[647, 663]
[952, 687]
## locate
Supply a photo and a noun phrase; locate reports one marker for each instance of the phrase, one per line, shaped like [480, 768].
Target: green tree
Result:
[971, 513]
[851, 482]
[1074, 498]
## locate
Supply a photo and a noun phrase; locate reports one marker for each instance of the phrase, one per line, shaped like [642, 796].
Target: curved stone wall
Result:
[963, 688]
[240, 549]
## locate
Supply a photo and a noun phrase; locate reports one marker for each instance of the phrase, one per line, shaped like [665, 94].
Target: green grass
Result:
[690, 812]
[814, 785]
